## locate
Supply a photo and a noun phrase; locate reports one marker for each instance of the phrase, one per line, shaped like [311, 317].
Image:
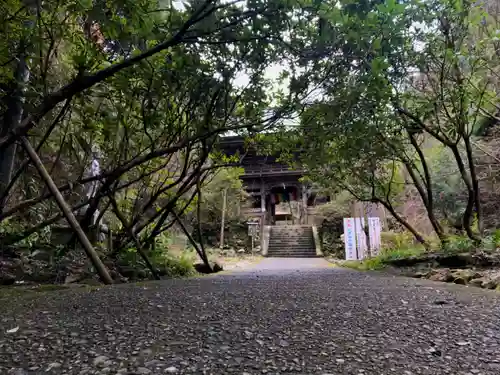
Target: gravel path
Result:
[277, 318]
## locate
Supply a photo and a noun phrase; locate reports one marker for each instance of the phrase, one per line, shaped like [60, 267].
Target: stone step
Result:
[292, 251]
[308, 255]
[291, 241]
[291, 232]
[307, 245]
[290, 237]
[294, 245]
[278, 243]
[284, 240]
[286, 248]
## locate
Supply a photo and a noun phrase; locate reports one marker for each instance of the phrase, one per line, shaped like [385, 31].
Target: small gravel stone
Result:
[100, 361]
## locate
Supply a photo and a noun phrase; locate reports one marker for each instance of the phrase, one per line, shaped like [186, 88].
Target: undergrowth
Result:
[164, 260]
[380, 261]
[400, 245]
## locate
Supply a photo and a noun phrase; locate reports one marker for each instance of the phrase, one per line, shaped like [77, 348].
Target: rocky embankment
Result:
[42, 267]
[476, 269]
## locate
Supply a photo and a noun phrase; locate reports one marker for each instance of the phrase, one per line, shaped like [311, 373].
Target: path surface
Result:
[278, 318]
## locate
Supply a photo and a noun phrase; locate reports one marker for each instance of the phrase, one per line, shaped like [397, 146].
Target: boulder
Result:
[128, 271]
[202, 268]
[7, 278]
[443, 274]
[489, 284]
[463, 276]
[491, 280]
[419, 274]
[477, 282]
[42, 255]
[73, 278]
[229, 253]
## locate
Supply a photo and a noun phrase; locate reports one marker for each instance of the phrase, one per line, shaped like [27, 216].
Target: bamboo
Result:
[68, 214]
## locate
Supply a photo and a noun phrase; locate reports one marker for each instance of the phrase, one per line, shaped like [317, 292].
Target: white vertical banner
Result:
[360, 237]
[374, 227]
[350, 239]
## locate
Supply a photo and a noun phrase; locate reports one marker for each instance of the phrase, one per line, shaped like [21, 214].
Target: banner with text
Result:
[355, 241]
[375, 228]
[350, 239]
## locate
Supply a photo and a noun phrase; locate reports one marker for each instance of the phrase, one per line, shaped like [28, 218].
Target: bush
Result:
[386, 255]
[397, 240]
[458, 244]
[166, 263]
[177, 267]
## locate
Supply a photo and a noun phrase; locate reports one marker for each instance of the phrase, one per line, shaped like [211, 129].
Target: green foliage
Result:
[14, 228]
[225, 184]
[169, 264]
[458, 244]
[338, 207]
[177, 266]
[396, 240]
[380, 261]
[496, 238]
[163, 260]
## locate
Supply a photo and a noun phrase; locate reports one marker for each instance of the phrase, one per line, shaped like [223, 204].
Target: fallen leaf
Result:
[13, 330]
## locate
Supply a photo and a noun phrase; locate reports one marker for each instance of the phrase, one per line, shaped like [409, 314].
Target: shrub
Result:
[496, 238]
[458, 244]
[177, 267]
[396, 240]
[380, 261]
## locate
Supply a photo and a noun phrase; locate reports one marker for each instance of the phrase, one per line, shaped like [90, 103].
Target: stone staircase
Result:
[291, 241]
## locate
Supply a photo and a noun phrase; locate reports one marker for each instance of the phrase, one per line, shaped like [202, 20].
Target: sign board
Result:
[253, 228]
[350, 239]
[355, 241]
[374, 227]
[360, 237]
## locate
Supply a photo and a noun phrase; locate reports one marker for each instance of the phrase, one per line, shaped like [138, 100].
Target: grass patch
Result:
[181, 266]
[32, 290]
[49, 287]
[380, 261]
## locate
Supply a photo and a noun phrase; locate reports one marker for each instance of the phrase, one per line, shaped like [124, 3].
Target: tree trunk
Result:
[428, 190]
[198, 225]
[427, 199]
[468, 215]
[224, 197]
[366, 230]
[475, 185]
[12, 119]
